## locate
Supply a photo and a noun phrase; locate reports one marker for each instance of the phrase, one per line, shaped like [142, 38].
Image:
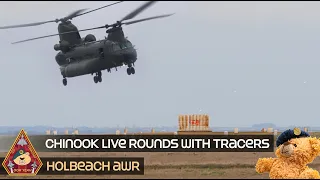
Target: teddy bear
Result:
[295, 149]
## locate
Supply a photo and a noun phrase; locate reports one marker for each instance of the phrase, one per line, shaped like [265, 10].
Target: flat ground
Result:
[184, 165]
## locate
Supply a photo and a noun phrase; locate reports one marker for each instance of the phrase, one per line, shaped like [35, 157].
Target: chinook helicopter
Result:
[81, 56]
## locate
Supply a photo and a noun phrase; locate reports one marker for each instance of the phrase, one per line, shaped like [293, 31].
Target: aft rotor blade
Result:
[41, 37]
[99, 8]
[146, 19]
[138, 10]
[26, 25]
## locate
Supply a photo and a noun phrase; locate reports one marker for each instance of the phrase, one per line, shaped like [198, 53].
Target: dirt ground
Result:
[183, 165]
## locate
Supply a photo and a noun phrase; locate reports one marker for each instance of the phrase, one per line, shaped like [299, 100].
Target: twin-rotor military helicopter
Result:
[81, 56]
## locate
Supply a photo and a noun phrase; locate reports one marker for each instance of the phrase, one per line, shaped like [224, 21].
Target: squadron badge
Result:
[22, 159]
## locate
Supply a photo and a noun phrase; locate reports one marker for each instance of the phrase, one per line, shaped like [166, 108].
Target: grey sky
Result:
[240, 62]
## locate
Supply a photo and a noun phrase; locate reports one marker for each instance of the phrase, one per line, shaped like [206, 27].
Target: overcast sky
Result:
[240, 62]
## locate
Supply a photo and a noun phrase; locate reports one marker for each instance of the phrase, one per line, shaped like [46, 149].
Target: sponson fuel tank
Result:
[80, 68]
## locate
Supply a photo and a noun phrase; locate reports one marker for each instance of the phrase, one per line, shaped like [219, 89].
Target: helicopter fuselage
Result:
[93, 57]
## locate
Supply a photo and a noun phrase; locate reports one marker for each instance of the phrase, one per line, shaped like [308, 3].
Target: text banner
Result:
[86, 166]
[153, 143]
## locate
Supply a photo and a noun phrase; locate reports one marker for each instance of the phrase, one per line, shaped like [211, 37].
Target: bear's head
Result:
[299, 150]
[21, 157]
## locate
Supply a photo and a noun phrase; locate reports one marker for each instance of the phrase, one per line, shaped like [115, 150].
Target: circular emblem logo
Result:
[296, 131]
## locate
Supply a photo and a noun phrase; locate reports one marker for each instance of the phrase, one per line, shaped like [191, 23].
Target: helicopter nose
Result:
[131, 56]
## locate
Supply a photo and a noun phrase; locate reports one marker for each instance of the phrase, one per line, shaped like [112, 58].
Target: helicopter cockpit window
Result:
[116, 47]
[128, 44]
[123, 45]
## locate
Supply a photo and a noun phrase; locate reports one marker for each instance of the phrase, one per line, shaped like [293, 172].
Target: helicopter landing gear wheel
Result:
[96, 79]
[131, 70]
[99, 75]
[64, 81]
[100, 79]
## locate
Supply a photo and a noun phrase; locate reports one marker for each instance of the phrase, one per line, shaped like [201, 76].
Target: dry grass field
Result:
[185, 165]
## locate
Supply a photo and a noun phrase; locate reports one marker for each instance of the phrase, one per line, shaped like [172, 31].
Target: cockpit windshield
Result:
[128, 44]
[122, 45]
[125, 45]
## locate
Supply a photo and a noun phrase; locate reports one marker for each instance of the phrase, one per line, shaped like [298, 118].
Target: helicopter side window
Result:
[101, 52]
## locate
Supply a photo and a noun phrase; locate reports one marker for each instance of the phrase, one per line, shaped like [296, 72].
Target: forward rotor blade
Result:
[41, 37]
[74, 14]
[146, 19]
[138, 10]
[99, 8]
[70, 16]
[26, 25]
[34, 38]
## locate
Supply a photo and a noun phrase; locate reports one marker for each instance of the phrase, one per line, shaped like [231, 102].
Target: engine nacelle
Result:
[57, 47]
[63, 46]
[90, 38]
